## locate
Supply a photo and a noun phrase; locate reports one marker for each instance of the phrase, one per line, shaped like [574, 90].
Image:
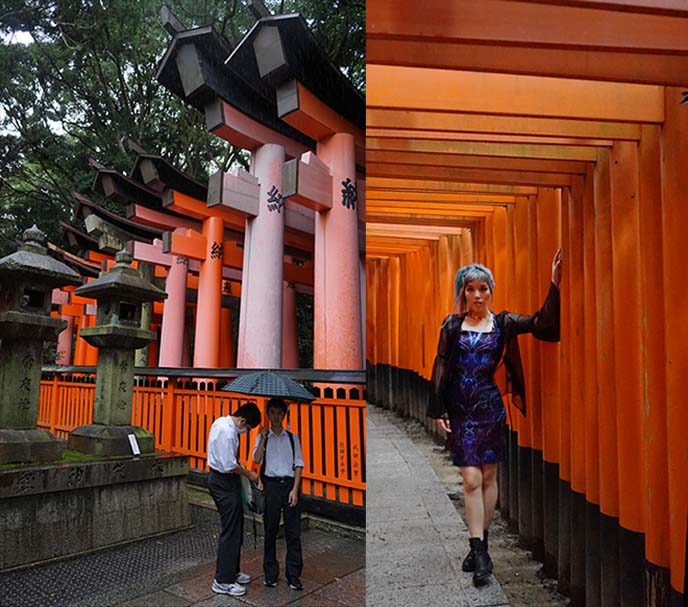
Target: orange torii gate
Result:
[581, 102]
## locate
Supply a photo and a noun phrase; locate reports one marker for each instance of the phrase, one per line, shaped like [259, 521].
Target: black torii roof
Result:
[193, 68]
[158, 174]
[77, 239]
[137, 230]
[295, 53]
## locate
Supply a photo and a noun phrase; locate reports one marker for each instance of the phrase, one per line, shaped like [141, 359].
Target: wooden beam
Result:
[411, 88]
[479, 162]
[429, 185]
[659, 7]
[599, 64]
[385, 133]
[526, 24]
[414, 196]
[470, 175]
[476, 123]
[481, 148]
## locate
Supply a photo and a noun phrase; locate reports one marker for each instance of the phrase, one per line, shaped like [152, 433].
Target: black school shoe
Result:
[295, 583]
[270, 583]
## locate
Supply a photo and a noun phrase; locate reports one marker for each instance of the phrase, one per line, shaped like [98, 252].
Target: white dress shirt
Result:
[223, 445]
[279, 460]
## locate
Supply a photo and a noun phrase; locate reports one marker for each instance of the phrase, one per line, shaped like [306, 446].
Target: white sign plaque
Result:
[134, 444]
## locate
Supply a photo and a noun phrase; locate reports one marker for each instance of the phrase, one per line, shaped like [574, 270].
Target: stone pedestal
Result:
[49, 512]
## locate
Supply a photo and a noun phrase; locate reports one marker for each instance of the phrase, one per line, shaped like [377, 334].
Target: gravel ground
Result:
[520, 576]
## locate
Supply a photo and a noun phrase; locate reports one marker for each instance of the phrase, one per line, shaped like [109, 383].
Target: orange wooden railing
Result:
[179, 412]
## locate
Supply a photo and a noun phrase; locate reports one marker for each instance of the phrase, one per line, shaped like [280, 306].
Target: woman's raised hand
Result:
[443, 424]
[556, 268]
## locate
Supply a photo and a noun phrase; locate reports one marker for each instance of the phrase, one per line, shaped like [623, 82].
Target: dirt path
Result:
[520, 576]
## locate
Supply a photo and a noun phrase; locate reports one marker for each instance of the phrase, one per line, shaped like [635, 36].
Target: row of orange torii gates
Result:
[293, 223]
[497, 132]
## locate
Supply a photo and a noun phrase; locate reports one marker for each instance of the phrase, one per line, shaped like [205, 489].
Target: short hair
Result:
[278, 403]
[250, 412]
[474, 271]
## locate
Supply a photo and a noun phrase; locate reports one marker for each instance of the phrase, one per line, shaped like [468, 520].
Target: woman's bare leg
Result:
[473, 494]
[489, 489]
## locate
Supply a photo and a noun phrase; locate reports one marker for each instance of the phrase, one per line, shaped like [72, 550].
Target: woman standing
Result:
[466, 400]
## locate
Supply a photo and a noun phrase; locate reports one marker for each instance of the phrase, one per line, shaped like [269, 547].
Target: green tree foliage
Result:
[84, 84]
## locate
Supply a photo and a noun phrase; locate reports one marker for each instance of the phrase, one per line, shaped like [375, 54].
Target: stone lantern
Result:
[27, 279]
[120, 294]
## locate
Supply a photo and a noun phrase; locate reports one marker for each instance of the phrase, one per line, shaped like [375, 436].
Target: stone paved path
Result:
[415, 539]
[177, 571]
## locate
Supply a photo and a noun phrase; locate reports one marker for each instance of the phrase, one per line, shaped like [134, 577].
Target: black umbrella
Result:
[267, 383]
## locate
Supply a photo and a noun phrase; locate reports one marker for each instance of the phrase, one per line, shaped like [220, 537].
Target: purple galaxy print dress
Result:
[476, 415]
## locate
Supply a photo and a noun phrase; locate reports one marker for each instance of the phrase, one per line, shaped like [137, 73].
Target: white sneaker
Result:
[243, 578]
[231, 589]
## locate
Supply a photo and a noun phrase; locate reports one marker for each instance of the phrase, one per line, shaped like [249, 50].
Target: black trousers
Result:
[226, 491]
[276, 503]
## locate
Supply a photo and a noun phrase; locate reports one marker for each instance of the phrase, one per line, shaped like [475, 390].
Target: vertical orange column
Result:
[65, 341]
[371, 310]
[568, 333]
[207, 338]
[337, 339]
[606, 394]
[260, 320]
[675, 297]
[584, 441]
[90, 352]
[500, 257]
[654, 408]
[549, 240]
[226, 339]
[587, 586]
[625, 223]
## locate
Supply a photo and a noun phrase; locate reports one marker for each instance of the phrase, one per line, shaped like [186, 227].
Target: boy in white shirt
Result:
[279, 452]
[225, 487]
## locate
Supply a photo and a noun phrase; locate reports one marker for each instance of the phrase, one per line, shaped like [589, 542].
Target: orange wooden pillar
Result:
[654, 421]
[260, 320]
[626, 319]
[290, 345]
[569, 334]
[337, 328]
[549, 240]
[525, 440]
[533, 386]
[90, 352]
[585, 480]
[606, 398]
[207, 336]
[227, 359]
[383, 333]
[64, 342]
[674, 146]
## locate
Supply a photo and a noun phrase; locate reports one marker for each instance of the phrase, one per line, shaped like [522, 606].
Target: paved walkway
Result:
[177, 570]
[415, 540]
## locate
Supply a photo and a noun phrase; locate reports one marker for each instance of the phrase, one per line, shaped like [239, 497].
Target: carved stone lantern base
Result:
[106, 440]
[29, 445]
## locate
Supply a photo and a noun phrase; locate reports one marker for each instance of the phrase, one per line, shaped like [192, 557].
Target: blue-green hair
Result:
[474, 271]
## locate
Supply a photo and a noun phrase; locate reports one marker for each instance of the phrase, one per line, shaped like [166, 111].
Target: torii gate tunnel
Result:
[498, 132]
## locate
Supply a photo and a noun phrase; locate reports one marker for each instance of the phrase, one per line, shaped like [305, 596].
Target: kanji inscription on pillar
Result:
[275, 200]
[216, 250]
[349, 194]
[182, 261]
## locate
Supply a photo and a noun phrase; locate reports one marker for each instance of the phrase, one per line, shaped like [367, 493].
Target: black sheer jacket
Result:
[544, 325]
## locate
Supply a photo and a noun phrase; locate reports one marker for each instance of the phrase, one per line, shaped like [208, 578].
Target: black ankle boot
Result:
[489, 560]
[482, 564]
[468, 564]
